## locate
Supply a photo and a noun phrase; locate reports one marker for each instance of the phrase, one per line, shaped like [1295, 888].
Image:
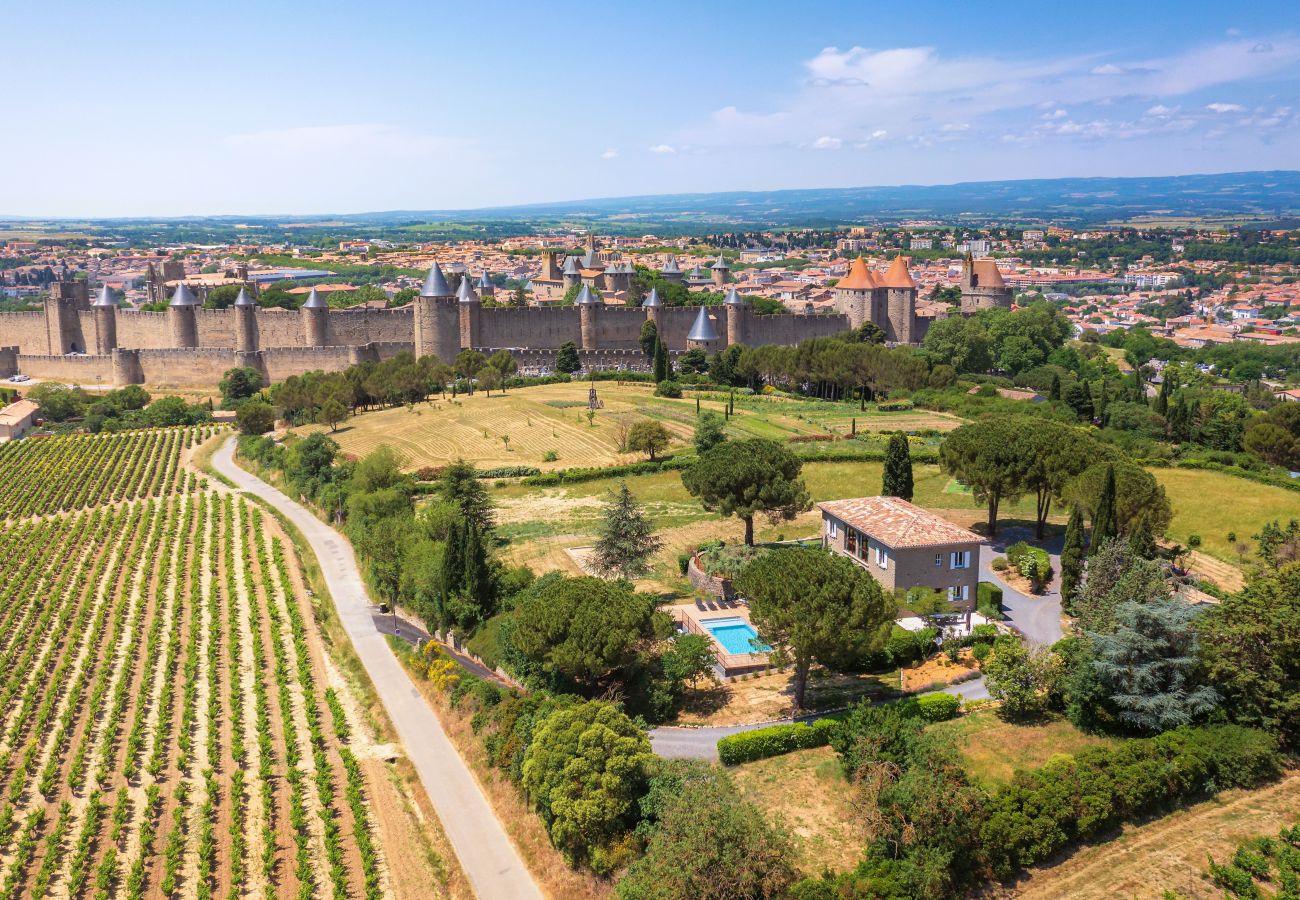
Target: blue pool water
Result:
[735, 635]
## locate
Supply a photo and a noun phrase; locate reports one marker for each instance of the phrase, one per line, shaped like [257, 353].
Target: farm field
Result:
[523, 425]
[42, 476]
[169, 725]
[1212, 504]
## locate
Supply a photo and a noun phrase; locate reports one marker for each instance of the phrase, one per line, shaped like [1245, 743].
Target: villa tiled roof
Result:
[897, 523]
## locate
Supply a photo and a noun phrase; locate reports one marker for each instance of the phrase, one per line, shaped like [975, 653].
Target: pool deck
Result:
[693, 620]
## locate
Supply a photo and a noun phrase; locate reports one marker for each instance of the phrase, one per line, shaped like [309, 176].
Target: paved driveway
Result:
[1037, 617]
[486, 854]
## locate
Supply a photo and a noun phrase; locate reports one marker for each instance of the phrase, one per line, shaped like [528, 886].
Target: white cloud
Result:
[611, 153]
[662, 148]
[908, 91]
[1225, 107]
[826, 142]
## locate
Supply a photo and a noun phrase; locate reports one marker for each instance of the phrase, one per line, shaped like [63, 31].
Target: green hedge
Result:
[989, 596]
[1076, 798]
[775, 740]
[578, 474]
[936, 707]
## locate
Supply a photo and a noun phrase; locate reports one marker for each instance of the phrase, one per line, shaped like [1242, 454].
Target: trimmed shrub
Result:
[938, 707]
[775, 740]
[988, 595]
[668, 389]
[999, 564]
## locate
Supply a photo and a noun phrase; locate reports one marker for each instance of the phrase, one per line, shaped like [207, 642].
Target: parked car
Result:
[19, 379]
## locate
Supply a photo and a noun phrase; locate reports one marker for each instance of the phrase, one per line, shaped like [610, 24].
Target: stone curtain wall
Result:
[533, 334]
[26, 331]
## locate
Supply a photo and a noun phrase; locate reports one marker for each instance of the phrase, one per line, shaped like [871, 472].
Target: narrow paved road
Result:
[489, 859]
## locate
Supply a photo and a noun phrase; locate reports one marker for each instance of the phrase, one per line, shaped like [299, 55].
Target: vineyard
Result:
[165, 729]
[43, 476]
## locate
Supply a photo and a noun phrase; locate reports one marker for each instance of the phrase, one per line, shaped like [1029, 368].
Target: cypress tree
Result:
[1072, 556]
[453, 566]
[1055, 392]
[1102, 401]
[1162, 399]
[476, 580]
[1142, 542]
[898, 468]
[661, 368]
[1105, 520]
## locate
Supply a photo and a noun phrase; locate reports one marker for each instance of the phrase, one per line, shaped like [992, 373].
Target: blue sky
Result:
[173, 108]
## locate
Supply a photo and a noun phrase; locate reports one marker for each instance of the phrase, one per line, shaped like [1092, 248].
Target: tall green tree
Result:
[1057, 454]
[460, 485]
[1105, 518]
[649, 338]
[566, 358]
[815, 607]
[663, 369]
[648, 437]
[710, 430]
[1072, 557]
[745, 478]
[582, 630]
[238, 384]
[625, 538]
[988, 456]
[705, 842]
[897, 480]
[1251, 647]
[1019, 677]
[1149, 666]
[585, 770]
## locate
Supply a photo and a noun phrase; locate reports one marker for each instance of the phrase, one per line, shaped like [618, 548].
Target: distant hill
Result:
[1261, 198]
[1083, 200]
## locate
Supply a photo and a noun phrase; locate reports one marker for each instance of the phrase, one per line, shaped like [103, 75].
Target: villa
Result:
[904, 546]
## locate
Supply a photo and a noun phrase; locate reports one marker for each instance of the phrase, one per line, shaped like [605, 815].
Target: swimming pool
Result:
[735, 635]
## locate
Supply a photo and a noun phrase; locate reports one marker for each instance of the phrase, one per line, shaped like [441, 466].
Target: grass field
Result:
[1213, 504]
[995, 749]
[807, 793]
[522, 426]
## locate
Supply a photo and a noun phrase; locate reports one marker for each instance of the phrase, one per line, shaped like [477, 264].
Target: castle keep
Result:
[73, 339]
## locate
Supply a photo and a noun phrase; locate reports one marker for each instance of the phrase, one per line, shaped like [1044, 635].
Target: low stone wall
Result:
[702, 581]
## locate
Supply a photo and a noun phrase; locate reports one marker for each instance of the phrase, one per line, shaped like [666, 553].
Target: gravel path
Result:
[489, 859]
